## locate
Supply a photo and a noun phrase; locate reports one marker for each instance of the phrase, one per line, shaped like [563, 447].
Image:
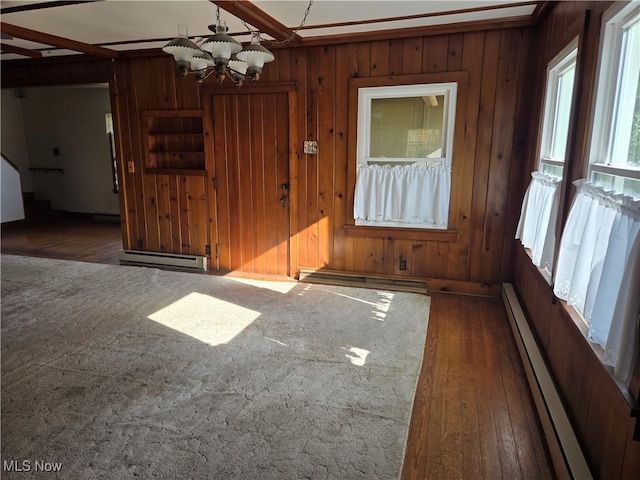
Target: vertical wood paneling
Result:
[253, 230]
[299, 75]
[164, 214]
[196, 194]
[486, 113]
[310, 195]
[412, 55]
[284, 243]
[379, 65]
[435, 54]
[184, 205]
[596, 408]
[345, 68]
[464, 158]
[472, 60]
[454, 58]
[326, 153]
[127, 181]
[396, 51]
[245, 171]
[263, 173]
[501, 147]
[156, 205]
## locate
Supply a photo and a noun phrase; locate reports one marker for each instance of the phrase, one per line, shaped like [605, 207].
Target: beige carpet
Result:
[127, 372]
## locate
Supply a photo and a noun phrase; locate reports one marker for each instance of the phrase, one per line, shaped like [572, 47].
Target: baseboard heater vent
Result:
[566, 454]
[135, 257]
[329, 277]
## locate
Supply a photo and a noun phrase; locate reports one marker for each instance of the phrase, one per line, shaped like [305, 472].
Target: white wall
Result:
[11, 194]
[14, 141]
[73, 121]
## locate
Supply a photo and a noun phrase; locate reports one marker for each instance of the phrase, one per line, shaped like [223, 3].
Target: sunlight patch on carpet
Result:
[274, 286]
[357, 356]
[205, 318]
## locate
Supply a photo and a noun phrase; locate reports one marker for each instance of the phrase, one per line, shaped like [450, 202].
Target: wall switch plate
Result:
[131, 167]
[310, 147]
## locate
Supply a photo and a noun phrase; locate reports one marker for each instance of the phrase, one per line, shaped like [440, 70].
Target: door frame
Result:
[208, 92]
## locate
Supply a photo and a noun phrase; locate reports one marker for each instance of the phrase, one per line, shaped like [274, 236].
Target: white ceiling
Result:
[143, 24]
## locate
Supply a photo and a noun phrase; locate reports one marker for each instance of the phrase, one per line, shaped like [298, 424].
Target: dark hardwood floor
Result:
[473, 415]
[65, 238]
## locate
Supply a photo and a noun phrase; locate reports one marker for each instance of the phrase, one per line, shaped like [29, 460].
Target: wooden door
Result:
[252, 186]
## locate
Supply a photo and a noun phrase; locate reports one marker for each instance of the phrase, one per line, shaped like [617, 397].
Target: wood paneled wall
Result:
[160, 212]
[165, 212]
[598, 410]
[480, 203]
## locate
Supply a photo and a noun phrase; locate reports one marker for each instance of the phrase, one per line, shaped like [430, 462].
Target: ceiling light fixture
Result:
[222, 54]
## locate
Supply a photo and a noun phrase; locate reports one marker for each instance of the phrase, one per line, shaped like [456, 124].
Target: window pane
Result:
[628, 186]
[563, 111]
[408, 127]
[551, 170]
[625, 148]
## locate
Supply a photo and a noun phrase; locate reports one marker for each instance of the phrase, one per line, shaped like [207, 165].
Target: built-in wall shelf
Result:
[174, 142]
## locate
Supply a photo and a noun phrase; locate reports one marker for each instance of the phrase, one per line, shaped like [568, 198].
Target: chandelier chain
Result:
[293, 33]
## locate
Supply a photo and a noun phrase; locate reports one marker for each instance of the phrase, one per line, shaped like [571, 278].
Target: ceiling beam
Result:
[5, 47]
[40, 6]
[55, 41]
[251, 14]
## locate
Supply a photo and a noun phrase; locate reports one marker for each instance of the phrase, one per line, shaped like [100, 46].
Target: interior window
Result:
[614, 160]
[405, 144]
[557, 110]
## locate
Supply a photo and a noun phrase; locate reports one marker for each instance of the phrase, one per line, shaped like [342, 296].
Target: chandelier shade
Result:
[182, 49]
[201, 61]
[222, 54]
[255, 55]
[221, 46]
[238, 66]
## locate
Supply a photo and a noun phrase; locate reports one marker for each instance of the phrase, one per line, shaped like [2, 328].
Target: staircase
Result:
[37, 210]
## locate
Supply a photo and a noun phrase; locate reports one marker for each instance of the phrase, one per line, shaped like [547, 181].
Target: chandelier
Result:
[222, 54]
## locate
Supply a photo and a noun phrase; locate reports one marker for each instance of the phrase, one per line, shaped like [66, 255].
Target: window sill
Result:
[546, 274]
[402, 233]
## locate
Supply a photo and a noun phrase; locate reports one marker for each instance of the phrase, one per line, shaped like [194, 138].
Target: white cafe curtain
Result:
[598, 272]
[414, 194]
[536, 228]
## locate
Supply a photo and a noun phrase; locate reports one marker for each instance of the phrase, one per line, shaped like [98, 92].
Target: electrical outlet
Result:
[403, 265]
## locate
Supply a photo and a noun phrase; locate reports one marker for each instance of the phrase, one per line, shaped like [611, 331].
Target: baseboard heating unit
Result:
[135, 257]
[566, 454]
[330, 277]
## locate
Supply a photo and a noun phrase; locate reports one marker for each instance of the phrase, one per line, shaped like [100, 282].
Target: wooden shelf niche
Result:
[175, 142]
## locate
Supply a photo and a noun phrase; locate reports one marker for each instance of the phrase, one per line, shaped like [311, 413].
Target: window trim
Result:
[367, 94]
[614, 20]
[559, 64]
[462, 78]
